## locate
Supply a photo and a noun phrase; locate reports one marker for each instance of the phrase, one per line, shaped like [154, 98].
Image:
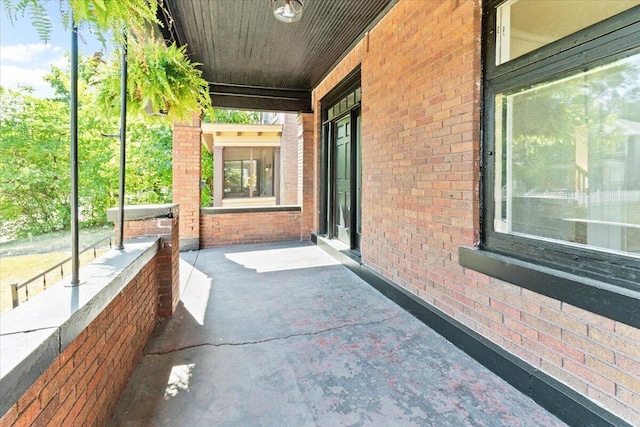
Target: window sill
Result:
[598, 297]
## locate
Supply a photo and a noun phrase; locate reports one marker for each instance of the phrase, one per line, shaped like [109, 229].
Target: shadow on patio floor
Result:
[280, 335]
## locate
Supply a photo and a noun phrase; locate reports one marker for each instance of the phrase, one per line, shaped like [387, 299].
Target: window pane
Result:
[235, 178]
[264, 171]
[568, 159]
[248, 172]
[526, 25]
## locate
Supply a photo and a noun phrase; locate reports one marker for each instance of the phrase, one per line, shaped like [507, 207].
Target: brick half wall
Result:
[222, 227]
[83, 384]
[168, 269]
[162, 221]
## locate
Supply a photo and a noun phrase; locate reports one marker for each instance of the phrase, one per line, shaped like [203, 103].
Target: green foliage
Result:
[36, 11]
[34, 156]
[230, 116]
[161, 79]
[553, 119]
[35, 159]
[102, 16]
[149, 164]
[115, 15]
[206, 169]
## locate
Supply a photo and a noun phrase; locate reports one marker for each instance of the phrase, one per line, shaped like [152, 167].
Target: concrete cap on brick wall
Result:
[142, 212]
[251, 209]
[35, 333]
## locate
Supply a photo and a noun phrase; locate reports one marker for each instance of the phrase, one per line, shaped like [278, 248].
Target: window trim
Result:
[256, 165]
[614, 278]
[616, 303]
[349, 83]
[616, 34]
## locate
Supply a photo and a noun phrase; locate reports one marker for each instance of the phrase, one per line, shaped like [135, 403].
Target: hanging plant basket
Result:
[161, 78]
[162, 82]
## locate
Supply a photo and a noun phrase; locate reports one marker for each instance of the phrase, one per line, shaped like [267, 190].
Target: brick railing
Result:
[73, 372]
[67, 354]
[160, 221]
[233, 226]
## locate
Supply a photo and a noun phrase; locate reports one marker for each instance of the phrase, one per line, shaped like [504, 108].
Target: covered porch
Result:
[283, 334]
[396, 183]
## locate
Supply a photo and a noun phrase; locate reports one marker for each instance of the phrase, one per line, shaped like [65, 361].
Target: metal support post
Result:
[75, 257]
[123, 138]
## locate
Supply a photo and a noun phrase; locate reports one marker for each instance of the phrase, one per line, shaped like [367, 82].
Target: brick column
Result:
[307, 175]
[186, 180]
[157, 221]
[289, 160]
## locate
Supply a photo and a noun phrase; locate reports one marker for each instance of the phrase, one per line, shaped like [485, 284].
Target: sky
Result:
[25, 59]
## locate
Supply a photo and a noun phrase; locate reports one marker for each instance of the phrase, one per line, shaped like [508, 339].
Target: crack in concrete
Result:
[282, 338]
[26, 331]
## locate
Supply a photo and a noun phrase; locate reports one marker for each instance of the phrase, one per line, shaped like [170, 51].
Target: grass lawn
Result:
[58, 241]
[20, 260]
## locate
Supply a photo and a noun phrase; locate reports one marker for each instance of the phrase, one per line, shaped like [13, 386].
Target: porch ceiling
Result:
[252, 61]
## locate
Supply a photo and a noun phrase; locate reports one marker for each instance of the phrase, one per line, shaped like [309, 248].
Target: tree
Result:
[34, 155]
[549, 120]
[149, 167]
[35, 181]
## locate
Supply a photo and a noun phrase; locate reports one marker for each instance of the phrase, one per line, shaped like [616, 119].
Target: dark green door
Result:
[342, 186]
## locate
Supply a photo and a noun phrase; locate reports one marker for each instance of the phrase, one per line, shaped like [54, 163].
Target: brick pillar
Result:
[289, 160]
[186, 180]
[307, 175]
[157, 221]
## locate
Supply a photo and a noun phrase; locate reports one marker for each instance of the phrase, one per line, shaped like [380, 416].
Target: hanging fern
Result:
[100, 15]
[135, 15]
[40, 20]
[162, 79]
[36, 11]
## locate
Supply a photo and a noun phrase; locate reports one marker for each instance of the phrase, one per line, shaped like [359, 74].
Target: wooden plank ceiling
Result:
[252, 61]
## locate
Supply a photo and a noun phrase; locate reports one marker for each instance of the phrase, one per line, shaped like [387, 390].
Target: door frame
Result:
[344, 100]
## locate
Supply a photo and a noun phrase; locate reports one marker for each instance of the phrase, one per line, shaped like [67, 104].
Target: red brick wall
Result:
[289, 161]
[252, 227]
[83, 385]
[421, 76]
[168, 230]
[186, 179]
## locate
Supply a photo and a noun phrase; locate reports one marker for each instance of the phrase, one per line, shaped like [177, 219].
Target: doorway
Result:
[343, 171]
[342, 181]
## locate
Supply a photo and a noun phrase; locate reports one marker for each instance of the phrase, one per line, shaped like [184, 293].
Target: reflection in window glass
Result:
[248, 172]
[264, 171]
[570, 159]
[526, 25]
[236, 178]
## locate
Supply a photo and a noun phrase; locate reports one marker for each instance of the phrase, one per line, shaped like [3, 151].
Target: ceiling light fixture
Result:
[287, 10]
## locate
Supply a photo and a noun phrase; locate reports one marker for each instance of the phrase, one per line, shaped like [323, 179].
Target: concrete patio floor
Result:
[282, 335]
